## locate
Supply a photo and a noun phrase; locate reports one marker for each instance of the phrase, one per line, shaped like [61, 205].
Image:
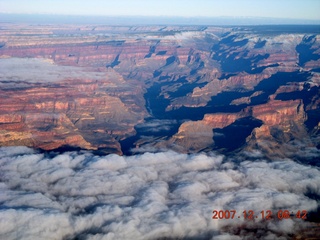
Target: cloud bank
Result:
[33, 70]
[77, 195]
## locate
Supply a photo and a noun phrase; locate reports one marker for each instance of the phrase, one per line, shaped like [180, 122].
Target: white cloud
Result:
[33, 70]
[148, 196]
[156, 125]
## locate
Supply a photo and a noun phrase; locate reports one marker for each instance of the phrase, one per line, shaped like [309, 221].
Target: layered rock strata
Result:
[90, 86]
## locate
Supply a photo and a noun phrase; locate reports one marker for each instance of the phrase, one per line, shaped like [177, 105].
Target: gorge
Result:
[128, 89]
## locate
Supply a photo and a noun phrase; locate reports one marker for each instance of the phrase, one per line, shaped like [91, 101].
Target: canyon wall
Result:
[89, 87]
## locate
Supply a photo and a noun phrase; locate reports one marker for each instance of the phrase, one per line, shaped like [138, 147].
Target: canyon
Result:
[127, 89]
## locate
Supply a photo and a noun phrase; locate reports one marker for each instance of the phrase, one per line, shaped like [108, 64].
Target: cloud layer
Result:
[149, 196]
[33, 70]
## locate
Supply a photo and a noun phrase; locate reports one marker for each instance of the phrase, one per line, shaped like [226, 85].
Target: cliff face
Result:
[79, 112]
[45, 131]
[90, 86]
[281, 122]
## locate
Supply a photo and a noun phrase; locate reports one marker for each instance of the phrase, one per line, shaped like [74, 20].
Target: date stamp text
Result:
[264, 214]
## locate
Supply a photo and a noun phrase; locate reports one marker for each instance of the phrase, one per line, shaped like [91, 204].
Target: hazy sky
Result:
[296, 9]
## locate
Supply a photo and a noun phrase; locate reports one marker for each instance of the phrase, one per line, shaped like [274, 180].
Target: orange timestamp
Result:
[264, 214]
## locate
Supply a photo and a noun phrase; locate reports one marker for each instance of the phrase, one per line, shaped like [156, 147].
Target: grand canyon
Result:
[120, 89]
[143, 131]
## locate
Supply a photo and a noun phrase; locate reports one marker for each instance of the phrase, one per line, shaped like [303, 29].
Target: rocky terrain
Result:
[122, 89]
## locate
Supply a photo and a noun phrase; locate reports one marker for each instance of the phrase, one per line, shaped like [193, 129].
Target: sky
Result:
[291, 9]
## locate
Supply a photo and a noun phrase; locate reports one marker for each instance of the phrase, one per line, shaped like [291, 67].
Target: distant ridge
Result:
[146, 20]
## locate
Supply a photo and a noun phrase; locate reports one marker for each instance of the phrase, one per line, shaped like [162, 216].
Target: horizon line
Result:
[201, 20]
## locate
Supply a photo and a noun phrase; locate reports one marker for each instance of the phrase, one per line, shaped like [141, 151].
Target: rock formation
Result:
[90, 86]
